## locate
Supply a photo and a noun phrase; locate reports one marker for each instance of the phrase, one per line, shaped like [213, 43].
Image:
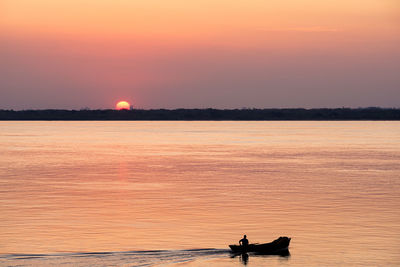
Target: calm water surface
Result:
[177, 193]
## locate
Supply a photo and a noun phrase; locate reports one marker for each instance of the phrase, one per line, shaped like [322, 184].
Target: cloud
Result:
[303, 29]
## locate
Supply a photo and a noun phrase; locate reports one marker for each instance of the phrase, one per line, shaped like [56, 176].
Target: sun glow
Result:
[122, 105]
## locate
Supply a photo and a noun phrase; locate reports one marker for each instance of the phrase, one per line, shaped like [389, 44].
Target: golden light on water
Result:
[176, 186]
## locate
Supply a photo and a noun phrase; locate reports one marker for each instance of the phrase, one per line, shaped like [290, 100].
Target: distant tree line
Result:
[206, 114]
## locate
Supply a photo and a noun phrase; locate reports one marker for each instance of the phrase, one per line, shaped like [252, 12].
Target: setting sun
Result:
[122, 105]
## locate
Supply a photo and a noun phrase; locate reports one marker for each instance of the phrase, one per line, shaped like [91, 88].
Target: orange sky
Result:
[165, 34]
[199, 20]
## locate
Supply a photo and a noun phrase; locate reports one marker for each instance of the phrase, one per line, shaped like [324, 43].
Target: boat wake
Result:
[129, 258]
[125, 258]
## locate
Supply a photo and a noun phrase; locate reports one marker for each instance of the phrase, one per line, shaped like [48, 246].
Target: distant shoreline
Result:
[290, 114]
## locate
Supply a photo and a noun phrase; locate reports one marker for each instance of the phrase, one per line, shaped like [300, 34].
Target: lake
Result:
[130, 193]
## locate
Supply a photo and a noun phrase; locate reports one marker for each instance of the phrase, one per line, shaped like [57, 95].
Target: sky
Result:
[73, 54]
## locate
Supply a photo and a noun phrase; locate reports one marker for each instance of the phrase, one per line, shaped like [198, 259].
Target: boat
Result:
[276, 247]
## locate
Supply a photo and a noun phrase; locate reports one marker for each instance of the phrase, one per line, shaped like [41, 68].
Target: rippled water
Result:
[160, 193]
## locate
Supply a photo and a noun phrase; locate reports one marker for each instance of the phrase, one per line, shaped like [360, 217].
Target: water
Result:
[177, 193]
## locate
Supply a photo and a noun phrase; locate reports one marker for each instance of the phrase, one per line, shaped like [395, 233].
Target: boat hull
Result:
[278, 246]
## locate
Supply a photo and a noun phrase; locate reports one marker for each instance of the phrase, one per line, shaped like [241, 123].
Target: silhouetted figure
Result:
[244, 242]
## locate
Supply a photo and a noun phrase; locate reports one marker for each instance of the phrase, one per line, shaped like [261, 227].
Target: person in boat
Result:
[244, 241]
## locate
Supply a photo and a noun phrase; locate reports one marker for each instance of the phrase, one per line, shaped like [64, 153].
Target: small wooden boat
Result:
[278, 246]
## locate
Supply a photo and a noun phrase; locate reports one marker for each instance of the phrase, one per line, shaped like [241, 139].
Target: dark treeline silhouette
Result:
[206, 114]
